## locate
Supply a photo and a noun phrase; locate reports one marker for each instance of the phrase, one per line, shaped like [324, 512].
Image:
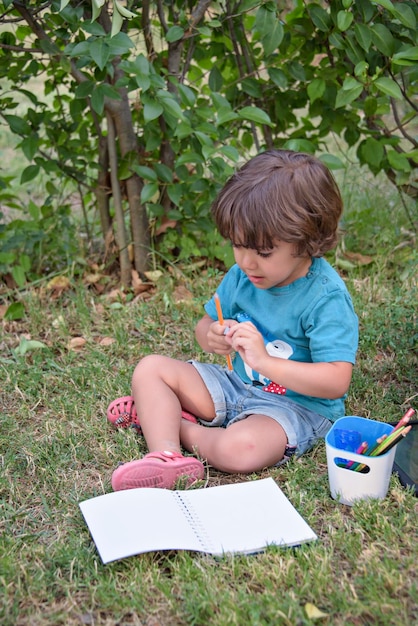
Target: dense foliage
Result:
[145, 110]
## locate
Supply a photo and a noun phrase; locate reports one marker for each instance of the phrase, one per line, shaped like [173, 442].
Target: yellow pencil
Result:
[221, 321]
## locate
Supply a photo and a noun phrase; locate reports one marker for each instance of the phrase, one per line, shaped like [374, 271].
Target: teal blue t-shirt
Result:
[311, 320]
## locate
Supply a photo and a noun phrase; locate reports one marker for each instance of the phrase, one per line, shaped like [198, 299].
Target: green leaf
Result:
[34, 211]
[120, 43]
[175, 193]
[316, 89]
[203, 138]
[18, 125]
[96, 9]
[407, 56]
[370, 105]
[361, 69]
[405, 15]
[372, 152]
[215, 79]
[344, 20]
[332, 161]
[300, 145]
[189, 157]
[254, 114]
[123, 10]
[25, 262]
[117, 21]
[388, 87]
[383, 39]
[29, 173]
[109, 91]
[187, 95]
[152, 110]
[350, 92]
[100, 53]
[28, 345]
[29, 146]
[231, 153]
[97, 101]
[175, 33]
[15, 311]
[398, 161]
[320, 17]
[18, 274]
[148, 192]
[84, 89]
[170, 105]
[141, 65]
[252, 87]
[363, 36]
[226, 115]
[386, 4]
[145, 172]
[163, 172]
[263, 20]
[272, 41]
[208, 151]
[183, 130]
[278, 77]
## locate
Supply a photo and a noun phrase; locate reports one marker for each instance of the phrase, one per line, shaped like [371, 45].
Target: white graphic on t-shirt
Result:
[275, 347]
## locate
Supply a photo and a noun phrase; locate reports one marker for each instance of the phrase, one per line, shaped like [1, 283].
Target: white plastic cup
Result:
[347, 485]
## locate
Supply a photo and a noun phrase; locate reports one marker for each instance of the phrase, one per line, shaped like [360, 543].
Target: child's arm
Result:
[321, 380]
[210, 335]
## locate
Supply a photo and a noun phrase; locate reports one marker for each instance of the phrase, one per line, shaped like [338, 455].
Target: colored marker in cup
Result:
[405, 419]
[221, 321]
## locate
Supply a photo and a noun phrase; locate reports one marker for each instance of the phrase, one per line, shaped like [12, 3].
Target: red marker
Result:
[360, 450]
[405, 419]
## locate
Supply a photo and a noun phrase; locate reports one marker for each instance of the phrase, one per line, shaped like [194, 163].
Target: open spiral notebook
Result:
[237, 518]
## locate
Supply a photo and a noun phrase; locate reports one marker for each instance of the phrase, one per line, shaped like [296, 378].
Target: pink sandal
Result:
[122, 413]
[158, 469]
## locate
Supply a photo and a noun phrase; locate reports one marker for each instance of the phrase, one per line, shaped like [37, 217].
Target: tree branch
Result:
[146, 28]
[400, 126]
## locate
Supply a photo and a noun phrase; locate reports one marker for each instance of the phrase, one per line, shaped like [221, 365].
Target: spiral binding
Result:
[194, 522]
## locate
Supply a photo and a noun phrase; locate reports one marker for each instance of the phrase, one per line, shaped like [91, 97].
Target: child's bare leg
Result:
[246, 446]
[161, 387]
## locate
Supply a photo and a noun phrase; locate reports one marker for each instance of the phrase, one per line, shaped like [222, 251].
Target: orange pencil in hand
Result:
[221, 321]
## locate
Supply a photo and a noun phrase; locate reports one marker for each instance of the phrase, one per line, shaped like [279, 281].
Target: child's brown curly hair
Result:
[280, 195]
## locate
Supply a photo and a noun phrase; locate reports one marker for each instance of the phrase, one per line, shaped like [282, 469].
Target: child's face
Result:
[272, 268]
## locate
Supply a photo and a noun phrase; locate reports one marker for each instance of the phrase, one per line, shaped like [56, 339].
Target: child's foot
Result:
[158, 469]
[122, 413]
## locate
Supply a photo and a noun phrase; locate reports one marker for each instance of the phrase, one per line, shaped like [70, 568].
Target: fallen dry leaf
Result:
[182, 294]
[77, 343]
[313, 612]
[138, 284]
[116, 295]
[58, 284]
[357, 257]
[154, 275]
[107, 341]
[91, 279]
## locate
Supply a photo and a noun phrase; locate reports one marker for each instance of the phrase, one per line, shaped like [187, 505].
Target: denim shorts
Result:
[235, 400]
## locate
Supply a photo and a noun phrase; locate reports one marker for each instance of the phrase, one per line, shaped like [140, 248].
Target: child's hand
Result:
[217, 337]
[249, 343]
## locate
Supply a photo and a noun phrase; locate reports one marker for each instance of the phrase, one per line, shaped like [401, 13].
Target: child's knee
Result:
[150, 365]
[239, 453]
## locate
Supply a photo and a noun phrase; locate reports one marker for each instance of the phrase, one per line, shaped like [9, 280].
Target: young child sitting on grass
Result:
[288, 318]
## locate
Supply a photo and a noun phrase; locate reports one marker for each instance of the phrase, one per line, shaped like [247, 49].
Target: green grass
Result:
[57, 449]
